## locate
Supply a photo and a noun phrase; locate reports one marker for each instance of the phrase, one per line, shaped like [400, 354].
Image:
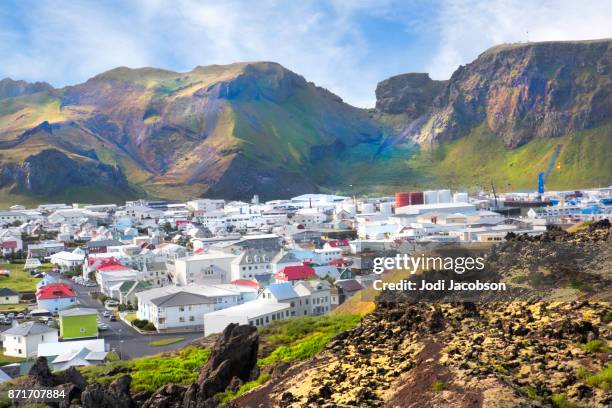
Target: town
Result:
[83, 284]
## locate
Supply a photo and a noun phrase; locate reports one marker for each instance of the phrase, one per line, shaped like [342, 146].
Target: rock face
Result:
[412, 94]
[10, 88]
[520, 91]
[51, 172]
[233, 359]
[117, 394]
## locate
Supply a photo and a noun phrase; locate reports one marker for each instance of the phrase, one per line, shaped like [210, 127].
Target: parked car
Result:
[113, 318]
[20, 316]
[3, 320]
[2, 316]
[106, 314]
[11, 315]
[103, 327]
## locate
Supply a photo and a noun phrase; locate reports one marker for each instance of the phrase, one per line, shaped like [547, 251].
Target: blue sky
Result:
[346, 46]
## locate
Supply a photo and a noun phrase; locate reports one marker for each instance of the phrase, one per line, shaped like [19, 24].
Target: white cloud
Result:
[334, 44]
[467, 28]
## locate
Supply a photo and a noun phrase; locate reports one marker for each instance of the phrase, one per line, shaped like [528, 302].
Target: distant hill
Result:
[235, 130]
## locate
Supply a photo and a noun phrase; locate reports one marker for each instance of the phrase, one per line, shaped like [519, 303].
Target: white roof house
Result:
[247, 313]
[23, 340]
[59, 348]
[78, 358]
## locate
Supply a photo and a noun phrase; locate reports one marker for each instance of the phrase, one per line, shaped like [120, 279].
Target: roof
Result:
[78, 311]
[68, 256]
[112, 267]
[55, 291]
[103, 243]
[282, 291]
[8, 292]
[245, 282]
[349, 285]
[339, 243]
[297, 272]
[55, 349]
[190, 294]
[26, 329]
[252, 309]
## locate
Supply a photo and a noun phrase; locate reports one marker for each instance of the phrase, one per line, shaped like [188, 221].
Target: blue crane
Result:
[542, 177]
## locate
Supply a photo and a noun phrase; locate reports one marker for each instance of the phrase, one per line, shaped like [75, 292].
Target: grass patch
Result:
[602, 379]
[532, 393]
[561, 401]
[595, 346]
[20, 280]
[150, 373]
[438, 386]
[301, 338]
[228, 396]
[607, 318]
[166, 342]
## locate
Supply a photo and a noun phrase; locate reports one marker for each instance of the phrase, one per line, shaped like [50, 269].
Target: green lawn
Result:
[9, 359]
[20, 280]
[166, 342]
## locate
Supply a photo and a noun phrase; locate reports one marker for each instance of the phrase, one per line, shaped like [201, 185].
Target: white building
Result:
[68, 260]
[22, 340]
[183, 307]
[207, 268]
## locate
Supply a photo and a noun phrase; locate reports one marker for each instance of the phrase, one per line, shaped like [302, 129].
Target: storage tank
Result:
[444, 196]
[402, 199]
[460, 198]
[386, 208]
[431, 197]
[416, 197]
[367, 208]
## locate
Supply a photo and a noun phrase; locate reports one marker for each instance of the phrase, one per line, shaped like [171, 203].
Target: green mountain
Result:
[236, 130]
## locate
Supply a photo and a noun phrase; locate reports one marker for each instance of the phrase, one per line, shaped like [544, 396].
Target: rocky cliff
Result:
[412, 94]
[520, 91]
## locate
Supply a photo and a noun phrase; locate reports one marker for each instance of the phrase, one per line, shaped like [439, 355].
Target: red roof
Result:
[113, 267]
[296, 272]
[245, 282]
[339, 243]
[337, 262]
[101, 261]
[55, 291]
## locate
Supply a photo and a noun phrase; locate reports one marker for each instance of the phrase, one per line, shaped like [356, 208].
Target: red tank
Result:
[402, 199]
[416, 197]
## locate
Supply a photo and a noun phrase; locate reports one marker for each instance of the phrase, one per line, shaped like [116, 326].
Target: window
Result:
[305, 312]
[286, 313]
[292, 304]
[192, 318]
[181, 308]
[182, 319]
[273, 317]
[267, 319]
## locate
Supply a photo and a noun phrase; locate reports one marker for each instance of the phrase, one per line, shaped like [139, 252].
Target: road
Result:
[121, 337]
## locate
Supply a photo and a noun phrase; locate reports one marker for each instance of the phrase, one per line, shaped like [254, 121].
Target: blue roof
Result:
[282, 291]
[303, 254]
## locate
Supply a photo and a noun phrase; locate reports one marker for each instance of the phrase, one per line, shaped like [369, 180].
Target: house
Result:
[70, 353]
[8, 296]
[250, 263]
[78, 358]
[296, 273]
[47, 280]
[278, 301]
[67, 260]
[183, 307]
[22, 340]
[45, 249]
[341, 244]
[10, 243]
[101, 246]
[206, 268]
[316, 294]
[128, 289]
[109, 279]
[343, 289]
[9, 217]
[56, 296]
[78, 323]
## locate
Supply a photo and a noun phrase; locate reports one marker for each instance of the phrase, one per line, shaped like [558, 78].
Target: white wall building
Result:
[22, 340]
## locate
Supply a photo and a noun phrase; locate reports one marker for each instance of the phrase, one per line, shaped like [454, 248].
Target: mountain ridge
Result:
[247, 128]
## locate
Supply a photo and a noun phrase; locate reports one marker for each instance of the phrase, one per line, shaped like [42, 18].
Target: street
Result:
[121, 337]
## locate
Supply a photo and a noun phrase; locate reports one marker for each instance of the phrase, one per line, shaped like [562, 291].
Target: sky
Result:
[346, 46]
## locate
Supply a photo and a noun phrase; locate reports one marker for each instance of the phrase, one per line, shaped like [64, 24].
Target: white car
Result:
[102, 326]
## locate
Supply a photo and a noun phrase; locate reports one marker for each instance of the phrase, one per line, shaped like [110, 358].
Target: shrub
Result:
[594, 346]
[607, 318]
[438, 386]
[531, 393]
